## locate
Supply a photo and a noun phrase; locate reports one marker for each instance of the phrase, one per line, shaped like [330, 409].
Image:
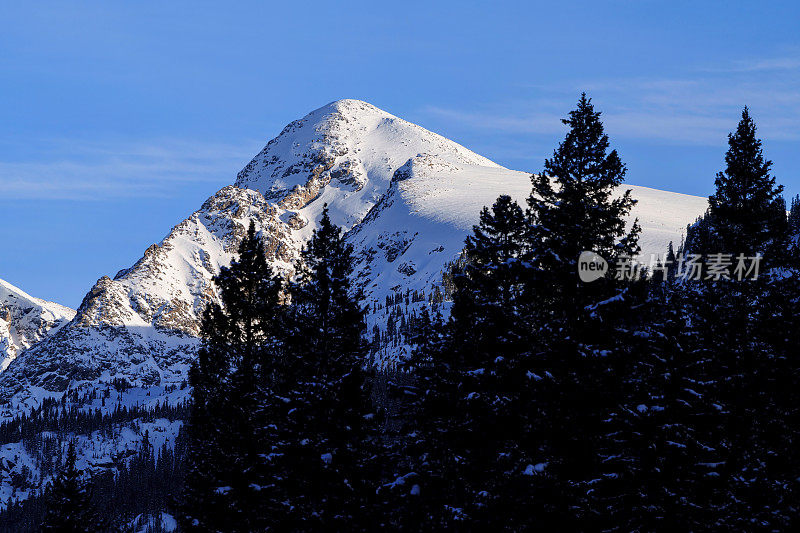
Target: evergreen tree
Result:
[321, 297]
[70, 508]
[580, 328]
[573, 208]
[793, 230]
[486, 321]
[794, 217]
[466, 414]
[670, 262]
[747, 211]
[509, 400]
[321, 463]
[739, 362]
[237, 358]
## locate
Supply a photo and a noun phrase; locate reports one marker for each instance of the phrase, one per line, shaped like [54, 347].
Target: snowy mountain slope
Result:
[141, 327]
[408, 197]
[25, 320]
[433, 202]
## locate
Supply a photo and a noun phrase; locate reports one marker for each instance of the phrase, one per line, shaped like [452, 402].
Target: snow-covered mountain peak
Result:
[25, 320]
[8, 290]
[349, 146]
[406, 196]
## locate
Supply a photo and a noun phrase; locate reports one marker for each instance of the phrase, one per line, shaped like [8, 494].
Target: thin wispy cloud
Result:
[699, 108]
[785, 62]
[523, 123]
[781, 63]
[98, 170]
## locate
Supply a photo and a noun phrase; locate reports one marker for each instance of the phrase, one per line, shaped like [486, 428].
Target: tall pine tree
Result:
[575, 206]
[747, 212]
[735, 363]
[489, 285]
[466, 414]
[237, 360]
[510, 397]
[794, 217]
[751, 370]
[321, 464]
[579, 327]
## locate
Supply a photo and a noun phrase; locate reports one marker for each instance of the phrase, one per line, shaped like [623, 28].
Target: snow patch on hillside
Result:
[433, 202]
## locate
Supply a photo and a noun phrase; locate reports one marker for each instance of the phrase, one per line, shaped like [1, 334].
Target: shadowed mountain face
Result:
[407, 197]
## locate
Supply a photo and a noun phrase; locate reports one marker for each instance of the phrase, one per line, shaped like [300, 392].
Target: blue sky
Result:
[117, 119]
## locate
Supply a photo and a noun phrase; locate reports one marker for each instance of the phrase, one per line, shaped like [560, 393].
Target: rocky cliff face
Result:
[25, 321]
[406, 196]
[141, 326]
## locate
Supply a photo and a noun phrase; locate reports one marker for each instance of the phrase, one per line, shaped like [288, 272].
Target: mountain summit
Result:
[406, 196]
[349, 142]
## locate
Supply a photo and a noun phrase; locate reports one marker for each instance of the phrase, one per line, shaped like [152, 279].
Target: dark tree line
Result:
[508, 412]
[283, 431]
[142, 485]
[543, 402]
[59, 416]
[143, 481]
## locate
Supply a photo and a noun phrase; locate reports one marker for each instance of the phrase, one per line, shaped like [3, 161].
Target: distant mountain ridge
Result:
[25, 321]
[406, 196]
